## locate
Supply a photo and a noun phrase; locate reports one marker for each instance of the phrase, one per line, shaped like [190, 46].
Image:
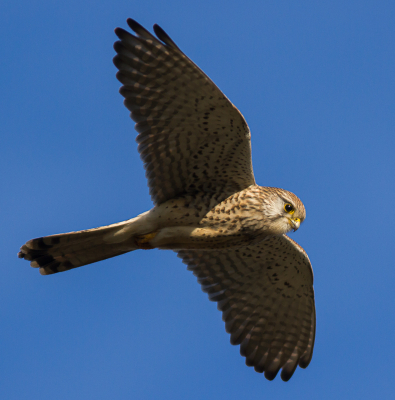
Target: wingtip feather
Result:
[134, 25]
[164, 37]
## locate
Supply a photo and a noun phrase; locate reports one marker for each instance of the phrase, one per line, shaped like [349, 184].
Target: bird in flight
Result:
[230, 232]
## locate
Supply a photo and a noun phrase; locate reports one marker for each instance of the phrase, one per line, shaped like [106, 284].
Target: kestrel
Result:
[230, 232]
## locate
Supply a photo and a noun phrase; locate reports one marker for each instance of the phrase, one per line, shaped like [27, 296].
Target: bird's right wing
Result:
[191, 137]
[265, 292]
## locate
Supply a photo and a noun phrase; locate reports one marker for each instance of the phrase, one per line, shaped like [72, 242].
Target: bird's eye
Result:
[289, 208]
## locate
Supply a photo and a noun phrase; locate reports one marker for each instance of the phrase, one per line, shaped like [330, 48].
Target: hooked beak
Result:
[295, 223]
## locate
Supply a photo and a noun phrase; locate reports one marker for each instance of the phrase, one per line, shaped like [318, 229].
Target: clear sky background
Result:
[315, 81]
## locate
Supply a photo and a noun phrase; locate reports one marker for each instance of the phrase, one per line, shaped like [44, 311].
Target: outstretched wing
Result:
[265, 292]
[191, 137]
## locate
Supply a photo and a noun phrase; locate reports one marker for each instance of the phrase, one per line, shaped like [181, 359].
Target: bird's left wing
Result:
[191, 137]
[265, 292]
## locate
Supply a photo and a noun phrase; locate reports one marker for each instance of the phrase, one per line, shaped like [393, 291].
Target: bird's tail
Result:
[57, 253]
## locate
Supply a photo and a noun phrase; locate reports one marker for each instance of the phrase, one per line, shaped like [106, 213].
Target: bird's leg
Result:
[142, 241]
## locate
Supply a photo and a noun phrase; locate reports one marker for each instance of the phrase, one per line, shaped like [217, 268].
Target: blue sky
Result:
[315, 82]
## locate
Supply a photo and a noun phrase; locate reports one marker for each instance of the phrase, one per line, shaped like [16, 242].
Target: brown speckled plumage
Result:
[230, 232]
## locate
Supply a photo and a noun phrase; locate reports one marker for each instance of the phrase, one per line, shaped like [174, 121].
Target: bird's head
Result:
[284, 210]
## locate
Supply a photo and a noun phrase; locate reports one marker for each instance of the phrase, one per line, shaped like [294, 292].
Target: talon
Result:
[142, 241]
